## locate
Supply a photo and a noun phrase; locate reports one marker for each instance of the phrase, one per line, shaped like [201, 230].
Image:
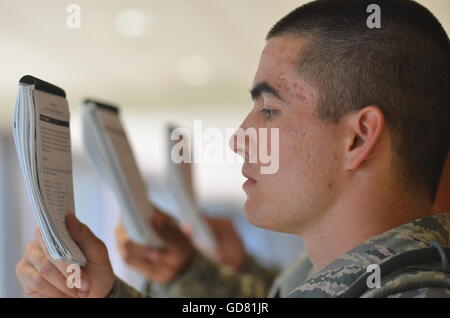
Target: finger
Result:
[158, 210]
[221, 227]
[169, 230]
[42, 247]
[136, 256]
[157, 256]
[130, 250]
[47, 269]
[121, 235]
[148, 269]
[126, 246]
[93, 248]
[158, 218]
[165, 258]
[167, 264]
[187, 229]
[63, 269]
[158, 271]
[214, 226]
[145, 265]
[34, 283]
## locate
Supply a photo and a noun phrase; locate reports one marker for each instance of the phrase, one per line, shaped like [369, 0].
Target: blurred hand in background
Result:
[230, 248]
[161, 265]
[165, 264]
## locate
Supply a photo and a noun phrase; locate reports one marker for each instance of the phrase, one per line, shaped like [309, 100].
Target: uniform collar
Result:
[335, 278]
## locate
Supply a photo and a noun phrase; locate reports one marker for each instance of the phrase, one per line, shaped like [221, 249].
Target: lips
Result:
[249, 183]
[247, 175]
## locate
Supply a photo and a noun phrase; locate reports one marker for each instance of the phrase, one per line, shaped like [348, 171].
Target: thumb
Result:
[91, 246]
[167, 228]
[187, 229]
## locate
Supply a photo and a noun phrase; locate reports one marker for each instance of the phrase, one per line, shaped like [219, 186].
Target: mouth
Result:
[249, 182]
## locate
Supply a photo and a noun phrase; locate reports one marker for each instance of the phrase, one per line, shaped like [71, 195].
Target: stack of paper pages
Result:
[42, 138]
[181, 183]
[108, 149]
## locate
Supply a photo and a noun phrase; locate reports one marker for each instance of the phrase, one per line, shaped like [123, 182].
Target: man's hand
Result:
[42, 276]
[161, 265]
[230, 249]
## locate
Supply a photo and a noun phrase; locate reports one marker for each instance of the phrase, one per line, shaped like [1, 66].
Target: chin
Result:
[258, 217]
[268, 218]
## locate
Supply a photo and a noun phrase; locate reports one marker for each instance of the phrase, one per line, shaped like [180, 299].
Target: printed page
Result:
[54, 163]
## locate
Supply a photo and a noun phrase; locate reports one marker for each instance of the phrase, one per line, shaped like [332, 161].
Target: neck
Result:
[359, 214]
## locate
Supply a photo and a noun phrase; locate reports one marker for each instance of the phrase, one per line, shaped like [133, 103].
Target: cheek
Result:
[303, 161]
[295, 149]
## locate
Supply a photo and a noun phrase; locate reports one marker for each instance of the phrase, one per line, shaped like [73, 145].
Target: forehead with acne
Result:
[279, 67]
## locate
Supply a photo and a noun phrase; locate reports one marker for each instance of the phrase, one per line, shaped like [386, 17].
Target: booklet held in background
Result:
[108, 149]
[180, 181]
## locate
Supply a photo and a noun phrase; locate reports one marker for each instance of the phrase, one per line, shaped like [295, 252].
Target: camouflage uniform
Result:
[415, 280]
[204, 278]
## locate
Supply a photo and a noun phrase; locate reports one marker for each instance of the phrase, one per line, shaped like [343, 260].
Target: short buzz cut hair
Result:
[403, 68]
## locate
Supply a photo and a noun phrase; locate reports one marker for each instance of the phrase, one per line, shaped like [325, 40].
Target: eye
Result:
[269, 112]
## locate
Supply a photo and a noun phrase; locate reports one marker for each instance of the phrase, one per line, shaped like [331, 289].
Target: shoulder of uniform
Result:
[416, 284]
[426, 292]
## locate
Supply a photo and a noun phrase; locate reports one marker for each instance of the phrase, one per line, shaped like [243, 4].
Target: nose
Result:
[236, 145]
[244, 143]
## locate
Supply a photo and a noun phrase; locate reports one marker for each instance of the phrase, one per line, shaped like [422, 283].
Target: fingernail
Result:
[84, 285]
[82, 293]
[151, 255]
[70, 222]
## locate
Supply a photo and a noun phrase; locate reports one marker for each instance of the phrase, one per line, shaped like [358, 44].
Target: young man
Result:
[363, 119]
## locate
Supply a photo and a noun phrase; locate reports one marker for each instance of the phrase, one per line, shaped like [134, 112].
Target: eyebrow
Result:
[264, 87]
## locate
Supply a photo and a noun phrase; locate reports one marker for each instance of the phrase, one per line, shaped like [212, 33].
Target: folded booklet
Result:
[108, 149]
[181, 183]
[42, 138]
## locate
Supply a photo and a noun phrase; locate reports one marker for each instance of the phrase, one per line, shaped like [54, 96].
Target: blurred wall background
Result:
[161, 61]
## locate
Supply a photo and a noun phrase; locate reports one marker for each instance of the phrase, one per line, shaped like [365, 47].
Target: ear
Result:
[364, 131]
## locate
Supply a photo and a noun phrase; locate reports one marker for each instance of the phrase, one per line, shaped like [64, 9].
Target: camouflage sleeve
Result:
[429, 292]
[419, 284]
[205, 278]
[123, 290]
